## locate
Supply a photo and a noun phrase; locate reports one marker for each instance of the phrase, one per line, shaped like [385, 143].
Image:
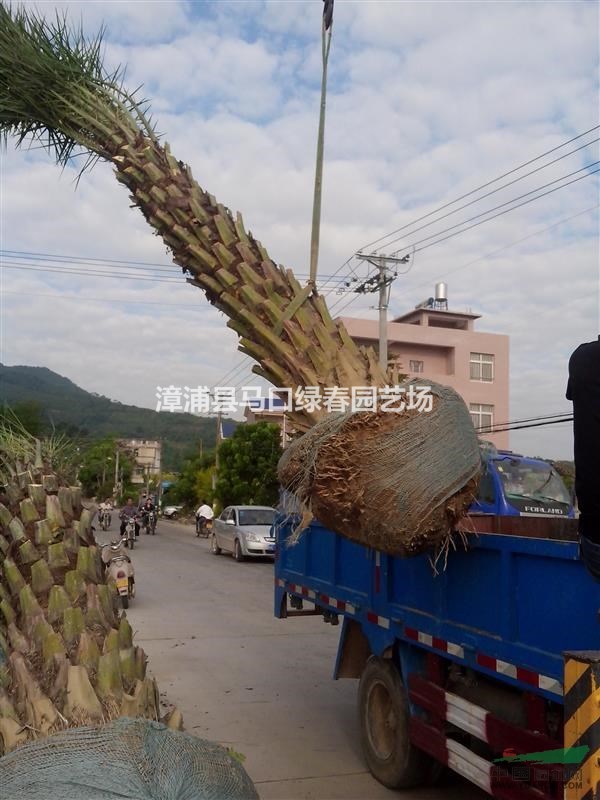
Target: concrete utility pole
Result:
[381, 283]
[217, 443]
[326, 30]
[116, 490]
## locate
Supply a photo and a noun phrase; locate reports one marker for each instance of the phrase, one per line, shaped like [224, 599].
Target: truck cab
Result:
[513, 485]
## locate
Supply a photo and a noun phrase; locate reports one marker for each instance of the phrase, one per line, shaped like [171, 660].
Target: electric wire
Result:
[506, 203]
[479, 188]
[494, 191]
[524, 427]
[109, 300]
[507, 246]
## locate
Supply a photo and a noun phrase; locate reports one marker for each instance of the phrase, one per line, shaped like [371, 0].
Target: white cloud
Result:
[426, 101]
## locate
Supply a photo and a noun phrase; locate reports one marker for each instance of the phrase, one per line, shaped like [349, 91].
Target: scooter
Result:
[129, 538]
[119, 569]
[204, 527]
[105, 519]
[150, 522]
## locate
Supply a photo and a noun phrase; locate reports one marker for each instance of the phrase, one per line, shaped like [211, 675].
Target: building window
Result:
[482, 415]
[416, 366]
[482, 367]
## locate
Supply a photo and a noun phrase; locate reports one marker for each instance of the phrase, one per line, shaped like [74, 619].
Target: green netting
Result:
[128, 758]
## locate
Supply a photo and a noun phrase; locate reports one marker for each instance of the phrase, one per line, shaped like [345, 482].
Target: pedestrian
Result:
[583, 389]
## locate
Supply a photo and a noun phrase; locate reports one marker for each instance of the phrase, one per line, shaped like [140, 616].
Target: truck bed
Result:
[508, 605]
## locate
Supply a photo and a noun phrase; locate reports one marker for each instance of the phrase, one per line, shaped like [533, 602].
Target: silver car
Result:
[244, 531]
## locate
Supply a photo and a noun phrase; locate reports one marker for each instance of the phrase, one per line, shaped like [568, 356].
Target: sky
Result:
[427, 101]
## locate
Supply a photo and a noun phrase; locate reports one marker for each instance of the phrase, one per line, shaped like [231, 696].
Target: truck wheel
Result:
[384, 728]
[125, 601]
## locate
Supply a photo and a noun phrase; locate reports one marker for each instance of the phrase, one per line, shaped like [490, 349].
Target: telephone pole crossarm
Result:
[381, 282]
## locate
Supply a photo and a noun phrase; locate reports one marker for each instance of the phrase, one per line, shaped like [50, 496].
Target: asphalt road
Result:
[260, 685]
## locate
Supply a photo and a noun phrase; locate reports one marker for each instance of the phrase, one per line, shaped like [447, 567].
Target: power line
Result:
[89, 274]
[489, 219]
[528, 419]
[494, 191]
[97, 273]
[506, 203]
[107, 300]
[479, 188]
[508, 246]
[79, 259]
[100, 262]
[524, 427]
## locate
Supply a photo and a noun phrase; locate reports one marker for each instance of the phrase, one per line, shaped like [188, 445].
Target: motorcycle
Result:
[204, 527]
[105, 519]
[150, 522]
[129, 538]
[119, 570]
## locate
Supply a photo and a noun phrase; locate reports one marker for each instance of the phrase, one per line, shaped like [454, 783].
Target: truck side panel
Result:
[509, 606]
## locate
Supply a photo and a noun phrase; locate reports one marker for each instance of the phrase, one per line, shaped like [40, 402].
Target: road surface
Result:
[241, 677]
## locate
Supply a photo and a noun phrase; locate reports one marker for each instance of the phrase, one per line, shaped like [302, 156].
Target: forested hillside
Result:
[65, 407]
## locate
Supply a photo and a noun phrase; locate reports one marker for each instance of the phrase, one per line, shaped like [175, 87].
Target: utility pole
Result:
[381, 282]
[326, 29]
[217, 443]
[116, 489]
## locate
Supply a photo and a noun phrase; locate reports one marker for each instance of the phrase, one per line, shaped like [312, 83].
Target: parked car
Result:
[244, 531]
[171, 512]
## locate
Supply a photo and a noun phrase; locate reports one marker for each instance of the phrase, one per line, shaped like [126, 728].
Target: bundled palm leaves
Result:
[66, 658]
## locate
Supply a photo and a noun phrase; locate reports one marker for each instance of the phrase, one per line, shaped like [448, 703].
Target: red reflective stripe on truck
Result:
[525, 675]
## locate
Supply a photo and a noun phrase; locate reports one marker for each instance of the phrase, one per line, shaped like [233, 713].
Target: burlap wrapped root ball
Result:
[395, 481]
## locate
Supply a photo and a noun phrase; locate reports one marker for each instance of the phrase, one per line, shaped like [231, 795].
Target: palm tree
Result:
[54, 89]
[59, 632]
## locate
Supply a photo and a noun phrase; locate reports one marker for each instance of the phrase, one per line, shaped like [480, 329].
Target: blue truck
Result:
[464, 665]
[514, 485]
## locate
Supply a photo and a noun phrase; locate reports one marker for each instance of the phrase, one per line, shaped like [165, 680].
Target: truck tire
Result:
[384, 728]
[125, 601]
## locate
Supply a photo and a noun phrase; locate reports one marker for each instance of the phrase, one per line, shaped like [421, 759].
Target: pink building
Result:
[432, 342]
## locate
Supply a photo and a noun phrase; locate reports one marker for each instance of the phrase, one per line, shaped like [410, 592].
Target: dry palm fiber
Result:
[395, 481]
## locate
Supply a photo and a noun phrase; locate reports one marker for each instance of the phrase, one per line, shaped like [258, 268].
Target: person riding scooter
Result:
[204, 516]
[145, 510]
[127, 512]
[118, 567]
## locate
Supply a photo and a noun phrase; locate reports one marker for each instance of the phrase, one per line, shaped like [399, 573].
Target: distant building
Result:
[442, 345]
[146, 456]
[227, 428]
[270, 410]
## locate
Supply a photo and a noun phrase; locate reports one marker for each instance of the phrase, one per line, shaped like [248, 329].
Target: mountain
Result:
[65, 407]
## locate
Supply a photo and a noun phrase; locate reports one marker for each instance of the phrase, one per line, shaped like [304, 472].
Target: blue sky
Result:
[426, 102]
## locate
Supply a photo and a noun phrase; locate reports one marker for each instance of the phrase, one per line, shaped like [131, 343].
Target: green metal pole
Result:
[316, 217]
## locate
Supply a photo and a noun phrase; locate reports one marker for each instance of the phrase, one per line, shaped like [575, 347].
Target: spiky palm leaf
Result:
[54, 88]
[65, 656]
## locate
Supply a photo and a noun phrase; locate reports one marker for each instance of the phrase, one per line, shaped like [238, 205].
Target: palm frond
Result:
[55, 90]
